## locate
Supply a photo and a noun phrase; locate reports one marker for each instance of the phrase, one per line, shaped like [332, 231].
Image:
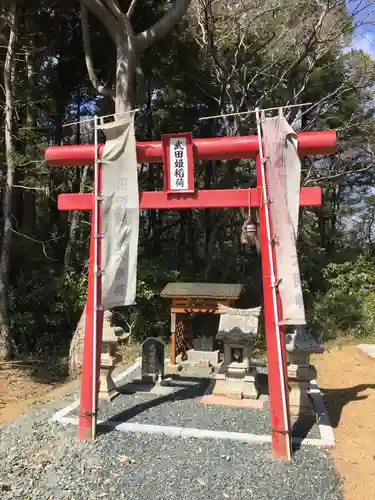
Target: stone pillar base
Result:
[107, 387]
[173, 369]
[299, 401]
[250, 387]
[236, 389]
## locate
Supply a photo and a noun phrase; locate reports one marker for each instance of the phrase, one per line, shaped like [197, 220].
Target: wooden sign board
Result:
[178, 162]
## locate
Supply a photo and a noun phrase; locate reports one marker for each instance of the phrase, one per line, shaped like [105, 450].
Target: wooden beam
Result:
[212, 198]
[213, 148]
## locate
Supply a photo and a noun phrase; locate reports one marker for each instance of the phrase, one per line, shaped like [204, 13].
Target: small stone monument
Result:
[152, 360]
[237, 330]
[109, 358]
[299, 346]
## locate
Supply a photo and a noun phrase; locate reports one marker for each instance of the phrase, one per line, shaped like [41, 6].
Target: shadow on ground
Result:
[186, 392]
[336, 399]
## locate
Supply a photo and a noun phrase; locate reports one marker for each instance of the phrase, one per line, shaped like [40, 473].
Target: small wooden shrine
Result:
[188, 298]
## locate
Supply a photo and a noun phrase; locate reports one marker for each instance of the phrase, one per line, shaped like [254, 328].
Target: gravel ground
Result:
[182, 409]
[44, 461]
[40, 460]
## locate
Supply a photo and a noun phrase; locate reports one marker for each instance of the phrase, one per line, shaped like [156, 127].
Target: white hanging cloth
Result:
[283, 173]
[120, 213]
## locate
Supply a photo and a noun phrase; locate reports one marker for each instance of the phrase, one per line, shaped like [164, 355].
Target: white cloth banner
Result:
[283, 173]
[120, 213]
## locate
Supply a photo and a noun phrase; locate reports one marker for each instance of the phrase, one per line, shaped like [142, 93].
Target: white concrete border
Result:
[191, 432]
[327, 437]
[65, 411]
[325, 427]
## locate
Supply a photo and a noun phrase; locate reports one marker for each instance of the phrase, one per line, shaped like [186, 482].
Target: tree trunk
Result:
[128, 48]
[28, 196]
[126, 67]
[5, 332]
[76, 347]
[125, 94]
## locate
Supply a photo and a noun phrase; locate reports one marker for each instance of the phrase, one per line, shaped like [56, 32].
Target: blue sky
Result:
[363, 12]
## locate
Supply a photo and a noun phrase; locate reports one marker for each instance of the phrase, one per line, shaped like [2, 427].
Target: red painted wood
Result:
[281, 430]
[213, 198]
[87, 412]
[85, 417]
[75, 201]
[216, 148]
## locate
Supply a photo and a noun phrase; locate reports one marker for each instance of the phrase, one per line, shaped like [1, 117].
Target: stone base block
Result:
[107, 361]
[250, 387]
[201, 367]
[173, 369]
[107, 387]
[234, 389]
[250, 391]
[227, 389]
[299, 401]
[301, 372]
[195, 356]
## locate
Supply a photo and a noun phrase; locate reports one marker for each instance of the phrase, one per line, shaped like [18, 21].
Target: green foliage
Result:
[348, 306]
[44, 306]
[150, 315]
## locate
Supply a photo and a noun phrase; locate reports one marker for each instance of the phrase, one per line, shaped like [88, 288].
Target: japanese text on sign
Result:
[178, 164]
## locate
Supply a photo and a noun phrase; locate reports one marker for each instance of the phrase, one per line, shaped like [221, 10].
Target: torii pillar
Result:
[223, 148]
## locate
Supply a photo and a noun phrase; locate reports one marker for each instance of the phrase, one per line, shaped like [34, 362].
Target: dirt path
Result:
[347, 377]
[20, 387]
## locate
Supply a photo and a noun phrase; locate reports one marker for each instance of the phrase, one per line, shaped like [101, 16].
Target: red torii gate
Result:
[223, 148]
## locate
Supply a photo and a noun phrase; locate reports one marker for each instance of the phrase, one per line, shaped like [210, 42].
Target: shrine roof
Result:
[202, 290]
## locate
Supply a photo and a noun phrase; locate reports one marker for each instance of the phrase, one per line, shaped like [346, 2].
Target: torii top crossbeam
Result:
[217, 148]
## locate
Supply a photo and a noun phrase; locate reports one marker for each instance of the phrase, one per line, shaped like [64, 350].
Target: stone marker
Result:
[152, 360]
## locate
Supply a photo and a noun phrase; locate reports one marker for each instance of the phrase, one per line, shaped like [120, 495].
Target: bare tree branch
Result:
[99, 87]
[131, 8]
[115, 9]
[104, 15]
[163, 26]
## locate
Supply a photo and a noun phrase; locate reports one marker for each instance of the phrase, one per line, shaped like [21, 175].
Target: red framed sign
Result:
[178, 160]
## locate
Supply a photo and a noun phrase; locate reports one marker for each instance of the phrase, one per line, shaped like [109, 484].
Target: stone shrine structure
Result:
[237, 330]
[195, 352]
[299, 346]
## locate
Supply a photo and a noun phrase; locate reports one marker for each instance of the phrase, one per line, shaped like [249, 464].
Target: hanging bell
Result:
[250, 228]
[248, 232]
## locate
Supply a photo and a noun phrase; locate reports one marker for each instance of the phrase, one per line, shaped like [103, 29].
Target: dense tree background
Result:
[225, 56]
